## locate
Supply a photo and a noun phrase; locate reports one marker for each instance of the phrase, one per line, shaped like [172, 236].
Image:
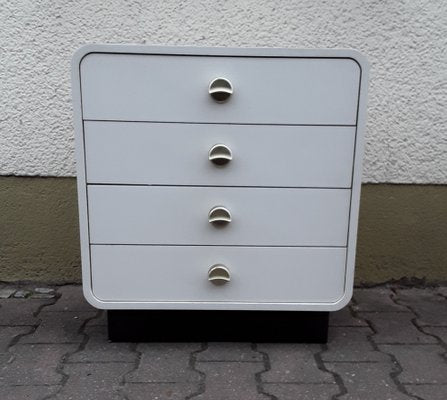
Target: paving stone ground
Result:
[390, 343]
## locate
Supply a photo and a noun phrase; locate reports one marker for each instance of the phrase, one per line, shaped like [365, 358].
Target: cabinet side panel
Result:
[81, 172]
[356, 182]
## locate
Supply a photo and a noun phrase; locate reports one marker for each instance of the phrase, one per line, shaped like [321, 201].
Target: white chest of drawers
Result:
[284, 183]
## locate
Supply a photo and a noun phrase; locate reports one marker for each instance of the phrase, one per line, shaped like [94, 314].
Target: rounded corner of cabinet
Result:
[82, 53]
[359, 59]
[343, 301]
[92, 299]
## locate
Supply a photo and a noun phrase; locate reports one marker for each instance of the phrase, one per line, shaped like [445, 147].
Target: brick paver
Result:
[294, 363]
[432, 392]
[376, 299]
[8, 334]
[389, 343]
[98, 349]
[320, 391]
[159, 391]
[229, 352]
[439, 332]
[71, 299]
[34, 364]
[429, 305]
[420, 363]
[392, 327]
[230, 380]
[367, 381]
[344, 317]
[351, 344]
[59, 327]
[164, 363]
[19, 312]
[28, 392]
[94, 381]
[99, 320]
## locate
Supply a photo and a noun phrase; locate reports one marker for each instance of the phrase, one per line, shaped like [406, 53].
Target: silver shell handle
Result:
[219, 216]
[219, 274]
[220, 89]
[220, 154]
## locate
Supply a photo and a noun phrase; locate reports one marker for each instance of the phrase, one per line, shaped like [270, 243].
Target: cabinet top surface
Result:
[355, 55]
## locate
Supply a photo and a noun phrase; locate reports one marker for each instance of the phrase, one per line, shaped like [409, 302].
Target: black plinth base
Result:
[217, 326]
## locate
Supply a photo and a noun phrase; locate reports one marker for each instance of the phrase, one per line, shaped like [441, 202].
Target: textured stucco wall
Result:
[405, 41]
[39, 235]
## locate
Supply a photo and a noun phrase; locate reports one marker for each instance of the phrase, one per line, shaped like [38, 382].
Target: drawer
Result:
[175, 88]
[180, 215]
[180, 274]
[178, 154]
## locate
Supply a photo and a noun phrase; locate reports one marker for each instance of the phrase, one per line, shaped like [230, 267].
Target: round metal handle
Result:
[219, 216]
[220, 154]
[219, 274]
[220, 89]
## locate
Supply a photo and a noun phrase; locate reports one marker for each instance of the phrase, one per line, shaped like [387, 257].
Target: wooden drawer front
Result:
[180, 273]
[260, 216]
[175, 88]
[177, 154]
